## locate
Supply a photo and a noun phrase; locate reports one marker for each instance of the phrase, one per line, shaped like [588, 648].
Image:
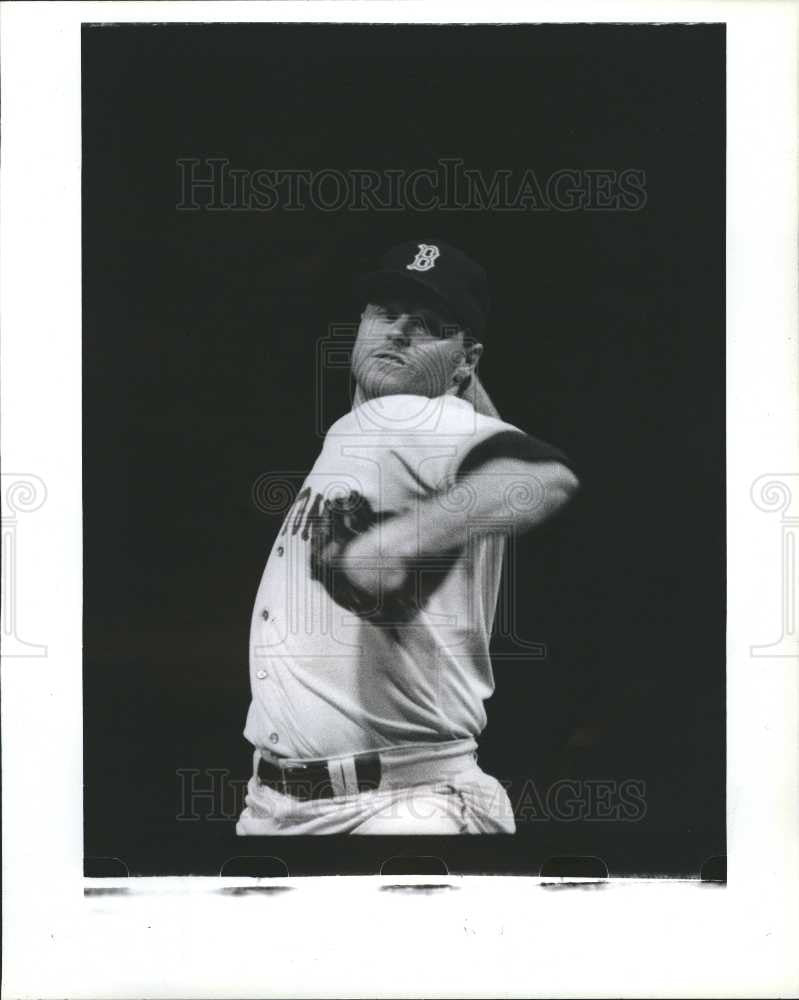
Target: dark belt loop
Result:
[368, 772]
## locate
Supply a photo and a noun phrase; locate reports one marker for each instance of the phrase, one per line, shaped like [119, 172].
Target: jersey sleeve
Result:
[465, 440]
[509, 444]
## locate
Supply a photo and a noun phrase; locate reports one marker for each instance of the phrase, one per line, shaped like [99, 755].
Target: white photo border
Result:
[181, 937]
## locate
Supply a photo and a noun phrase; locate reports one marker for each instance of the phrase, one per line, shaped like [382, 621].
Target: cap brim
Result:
[388, 282]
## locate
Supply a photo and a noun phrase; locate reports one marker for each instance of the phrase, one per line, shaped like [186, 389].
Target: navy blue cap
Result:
[436, 271]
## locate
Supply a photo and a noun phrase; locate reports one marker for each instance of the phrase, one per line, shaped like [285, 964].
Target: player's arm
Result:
[501, 494]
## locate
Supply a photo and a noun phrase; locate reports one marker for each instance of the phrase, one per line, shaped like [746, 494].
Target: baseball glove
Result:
[339, 522]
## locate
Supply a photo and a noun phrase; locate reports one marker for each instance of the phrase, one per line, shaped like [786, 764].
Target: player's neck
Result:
[361, 397]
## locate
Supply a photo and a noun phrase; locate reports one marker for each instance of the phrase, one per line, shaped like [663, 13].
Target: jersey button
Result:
[273, 737]
[265, 614]
[261, 674]
[280, 550]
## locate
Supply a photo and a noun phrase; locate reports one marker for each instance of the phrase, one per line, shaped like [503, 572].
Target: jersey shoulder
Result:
[406, 414]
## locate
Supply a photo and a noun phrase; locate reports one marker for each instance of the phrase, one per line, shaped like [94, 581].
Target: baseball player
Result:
[369, 658]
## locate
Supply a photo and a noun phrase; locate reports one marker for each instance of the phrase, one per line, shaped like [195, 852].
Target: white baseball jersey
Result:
[325, 682]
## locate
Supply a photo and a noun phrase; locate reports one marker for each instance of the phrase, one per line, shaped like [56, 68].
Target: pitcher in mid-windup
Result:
[369, 643]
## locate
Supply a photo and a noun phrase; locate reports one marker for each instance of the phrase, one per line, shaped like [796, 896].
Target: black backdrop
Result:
[606, 338]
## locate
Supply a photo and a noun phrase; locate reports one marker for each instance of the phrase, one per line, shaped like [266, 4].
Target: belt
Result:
[321, 779]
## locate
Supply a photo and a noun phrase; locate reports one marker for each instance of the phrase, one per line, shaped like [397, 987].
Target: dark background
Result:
[606, 338]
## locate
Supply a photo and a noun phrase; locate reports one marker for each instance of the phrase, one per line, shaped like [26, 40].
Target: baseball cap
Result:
[436, 271]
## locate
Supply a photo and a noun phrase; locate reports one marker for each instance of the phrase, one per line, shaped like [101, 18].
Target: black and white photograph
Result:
[406, 385]
[400, 498]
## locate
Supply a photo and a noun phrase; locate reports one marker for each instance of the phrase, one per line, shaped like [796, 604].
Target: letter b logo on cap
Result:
[424, 259]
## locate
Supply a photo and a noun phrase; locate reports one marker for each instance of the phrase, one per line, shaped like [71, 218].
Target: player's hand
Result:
[348, 557]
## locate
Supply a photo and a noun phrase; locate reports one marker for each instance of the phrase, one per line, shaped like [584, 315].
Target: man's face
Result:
[404, 346]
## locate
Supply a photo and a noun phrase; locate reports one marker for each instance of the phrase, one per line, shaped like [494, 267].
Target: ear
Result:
[473, 354]
[468, 363]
